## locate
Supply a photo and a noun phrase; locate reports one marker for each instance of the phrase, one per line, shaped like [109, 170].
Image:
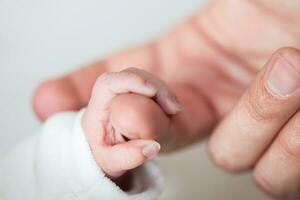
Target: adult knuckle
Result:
[260, 105]
[290, 143]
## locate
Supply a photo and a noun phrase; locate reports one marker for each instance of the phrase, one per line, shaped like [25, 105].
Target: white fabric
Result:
[56, 163]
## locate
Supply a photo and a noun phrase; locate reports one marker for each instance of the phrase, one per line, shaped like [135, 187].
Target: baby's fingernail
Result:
[151, 150]
[151, 87]
[174, 104]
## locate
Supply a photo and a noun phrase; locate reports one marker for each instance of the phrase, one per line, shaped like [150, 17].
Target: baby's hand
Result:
[127, 111]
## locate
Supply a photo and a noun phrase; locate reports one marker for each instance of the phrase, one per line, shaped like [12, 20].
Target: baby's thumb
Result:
[128, 155]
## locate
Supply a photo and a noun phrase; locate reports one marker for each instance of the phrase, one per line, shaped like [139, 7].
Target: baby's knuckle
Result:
[132, 69]
[101, 81]
[135, 77]
[104, 77]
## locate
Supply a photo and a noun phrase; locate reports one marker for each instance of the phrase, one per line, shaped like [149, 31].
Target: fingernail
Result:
[151, 150]
[176, 102]
[151, 87]
[283, 79]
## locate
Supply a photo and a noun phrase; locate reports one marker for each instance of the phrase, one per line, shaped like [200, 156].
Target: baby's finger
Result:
[109, 85]
[168, 101]
[164, 97]
[125, 156]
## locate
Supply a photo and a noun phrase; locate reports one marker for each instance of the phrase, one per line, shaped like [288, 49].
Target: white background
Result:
[40, 39]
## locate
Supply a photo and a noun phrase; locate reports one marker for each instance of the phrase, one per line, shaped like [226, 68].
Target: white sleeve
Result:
[56, 163]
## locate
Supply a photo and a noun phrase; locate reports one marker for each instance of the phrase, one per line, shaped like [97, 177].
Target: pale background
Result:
[44, 38]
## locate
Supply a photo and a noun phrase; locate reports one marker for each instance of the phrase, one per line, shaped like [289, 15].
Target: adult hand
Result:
[262, 131]
[208, 61]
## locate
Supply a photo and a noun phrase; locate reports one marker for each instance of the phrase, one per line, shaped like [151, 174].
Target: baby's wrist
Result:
[124, 181]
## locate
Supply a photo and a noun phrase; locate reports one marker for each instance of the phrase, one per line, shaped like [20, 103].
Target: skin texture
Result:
[209, 62]
[127, 111]
[262, 132]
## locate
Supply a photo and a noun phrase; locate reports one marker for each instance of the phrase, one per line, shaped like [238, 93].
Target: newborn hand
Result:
[128, 110]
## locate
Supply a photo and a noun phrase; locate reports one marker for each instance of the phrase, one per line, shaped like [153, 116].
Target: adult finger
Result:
[270, 101]
[278, 171]
[73, 90]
